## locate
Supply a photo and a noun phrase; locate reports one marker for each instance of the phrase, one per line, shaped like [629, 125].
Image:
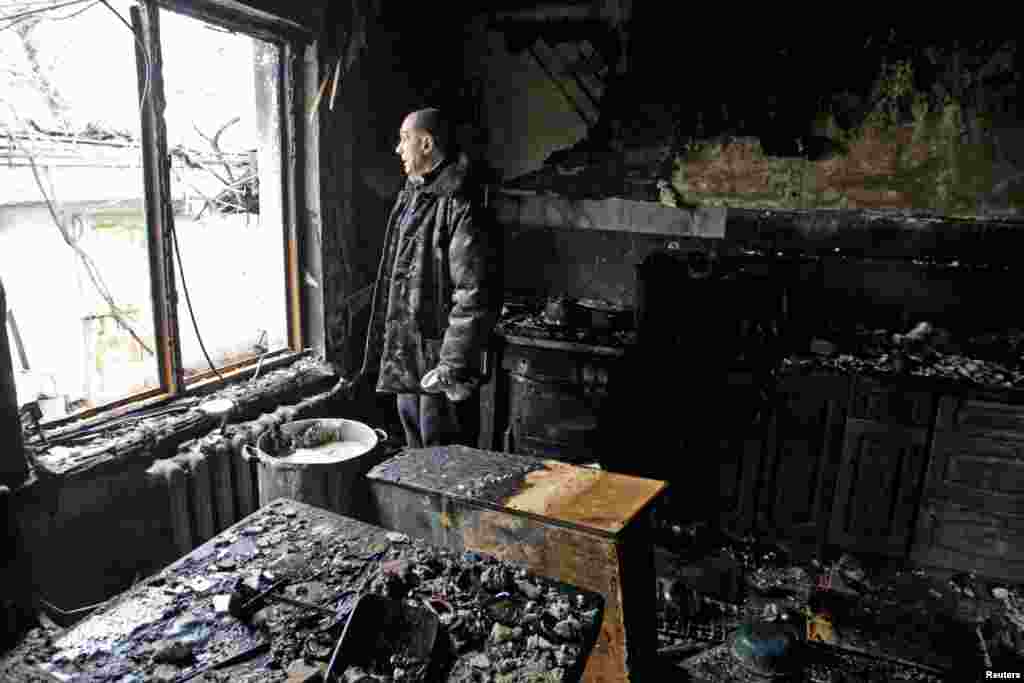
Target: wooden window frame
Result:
[293, 41]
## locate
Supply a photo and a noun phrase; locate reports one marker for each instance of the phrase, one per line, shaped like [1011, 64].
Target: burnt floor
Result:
[877, 621]
[870, 619]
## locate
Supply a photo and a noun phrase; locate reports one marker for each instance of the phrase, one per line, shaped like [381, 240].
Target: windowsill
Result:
[287, 378]
[67, 426]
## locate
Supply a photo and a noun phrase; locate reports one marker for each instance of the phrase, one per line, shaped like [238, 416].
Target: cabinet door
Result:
[552, 420]
[802, 457]
[739, 459]
[879, 487]
[964, 538]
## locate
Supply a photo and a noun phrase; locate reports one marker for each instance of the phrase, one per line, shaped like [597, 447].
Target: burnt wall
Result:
[524, 114]
[840, 269]
[839, 294]
[763, 115]
[541, 262]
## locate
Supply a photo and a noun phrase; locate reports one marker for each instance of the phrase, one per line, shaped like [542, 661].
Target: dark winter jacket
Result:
[433, 300]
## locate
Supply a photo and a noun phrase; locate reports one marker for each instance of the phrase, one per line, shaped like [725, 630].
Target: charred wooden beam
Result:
[243, 17]
[156, 172]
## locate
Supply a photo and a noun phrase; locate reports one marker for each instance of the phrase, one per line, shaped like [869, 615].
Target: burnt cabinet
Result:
[973, 509]
[738, 468]
[878, 490]
[801, 457]
[884, 460]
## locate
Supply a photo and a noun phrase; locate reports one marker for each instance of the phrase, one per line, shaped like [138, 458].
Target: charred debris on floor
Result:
[854, 619]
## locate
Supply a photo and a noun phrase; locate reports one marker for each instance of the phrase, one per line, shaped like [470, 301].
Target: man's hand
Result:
[445, 375]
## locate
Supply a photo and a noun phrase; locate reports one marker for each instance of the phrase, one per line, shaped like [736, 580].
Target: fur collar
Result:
[451, 178]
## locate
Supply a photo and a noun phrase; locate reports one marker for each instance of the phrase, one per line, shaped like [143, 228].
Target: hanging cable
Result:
[12, 19]
[188, 302]
[142, 46]
[75, 13]
[70, 612]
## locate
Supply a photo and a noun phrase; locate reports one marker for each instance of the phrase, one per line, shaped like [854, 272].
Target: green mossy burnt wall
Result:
[942, 164]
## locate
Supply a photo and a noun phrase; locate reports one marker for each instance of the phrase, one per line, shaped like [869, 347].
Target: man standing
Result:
[433, 307]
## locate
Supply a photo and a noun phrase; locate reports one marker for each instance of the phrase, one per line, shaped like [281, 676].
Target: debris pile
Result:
[989, 361]
[148, 431]
[272, 594]
[854, 621]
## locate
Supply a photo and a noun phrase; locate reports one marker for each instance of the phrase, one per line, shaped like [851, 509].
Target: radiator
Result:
[212, 483]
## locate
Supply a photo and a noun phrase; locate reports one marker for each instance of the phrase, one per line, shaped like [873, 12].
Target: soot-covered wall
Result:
[768, 115]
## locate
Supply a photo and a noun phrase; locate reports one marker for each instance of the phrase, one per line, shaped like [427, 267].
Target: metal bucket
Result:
[329, 476]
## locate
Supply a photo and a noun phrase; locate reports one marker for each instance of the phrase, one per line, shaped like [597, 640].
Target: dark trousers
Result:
[433, 420]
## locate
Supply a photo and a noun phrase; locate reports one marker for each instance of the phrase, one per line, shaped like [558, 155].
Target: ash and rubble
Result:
[499, 622]
[144, 432]
[986, 361]
[483, 475]
[884, 622]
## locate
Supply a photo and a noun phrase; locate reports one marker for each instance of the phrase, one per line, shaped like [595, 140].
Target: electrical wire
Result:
[69, 613]
[75, 13]
[188, 303]
[145, 53]
[13, 18]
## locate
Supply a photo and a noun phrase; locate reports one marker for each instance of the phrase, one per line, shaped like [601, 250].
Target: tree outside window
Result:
[76, 247]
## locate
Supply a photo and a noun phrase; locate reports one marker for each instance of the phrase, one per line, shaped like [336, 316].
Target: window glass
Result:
[73, 247]
[224, 137]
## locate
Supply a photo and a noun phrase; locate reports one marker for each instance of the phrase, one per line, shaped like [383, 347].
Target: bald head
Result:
[423, 140]
[434, 123]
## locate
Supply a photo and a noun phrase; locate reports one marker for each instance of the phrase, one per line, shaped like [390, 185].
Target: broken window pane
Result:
[73, 247]
[224, 138]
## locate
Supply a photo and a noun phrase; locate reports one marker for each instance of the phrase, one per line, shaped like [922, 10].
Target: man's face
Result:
[414, 146]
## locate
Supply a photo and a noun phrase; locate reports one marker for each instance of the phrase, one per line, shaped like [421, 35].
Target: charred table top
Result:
[590, 500]
[500, 621]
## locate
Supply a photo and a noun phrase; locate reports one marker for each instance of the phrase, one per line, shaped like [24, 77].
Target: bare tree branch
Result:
[214, 142]
[54, 100]
[189, 161]
[207, 200]
[91, 269]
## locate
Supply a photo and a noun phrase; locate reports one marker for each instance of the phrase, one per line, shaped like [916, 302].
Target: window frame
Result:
[293, 41]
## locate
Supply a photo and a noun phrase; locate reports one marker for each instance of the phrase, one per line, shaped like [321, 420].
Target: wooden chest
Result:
[583, 526]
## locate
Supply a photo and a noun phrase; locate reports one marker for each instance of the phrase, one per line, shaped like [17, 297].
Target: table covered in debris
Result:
[498, 621]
